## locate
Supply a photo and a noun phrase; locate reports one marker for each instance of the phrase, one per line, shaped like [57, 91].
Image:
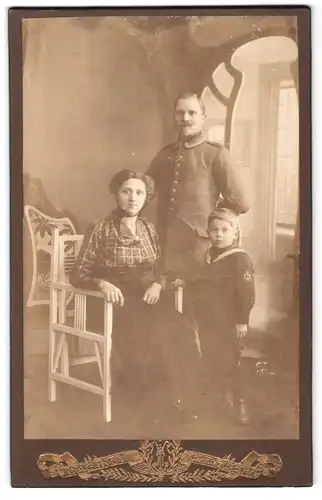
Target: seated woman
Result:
[120, 258]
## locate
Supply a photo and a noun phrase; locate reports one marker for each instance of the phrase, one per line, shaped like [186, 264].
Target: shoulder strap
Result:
[223, 255]
[214, 143]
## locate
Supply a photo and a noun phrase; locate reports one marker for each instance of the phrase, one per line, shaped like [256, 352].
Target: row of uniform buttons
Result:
[174, 185]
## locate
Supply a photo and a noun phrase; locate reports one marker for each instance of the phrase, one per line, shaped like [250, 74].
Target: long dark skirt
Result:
[151, 345]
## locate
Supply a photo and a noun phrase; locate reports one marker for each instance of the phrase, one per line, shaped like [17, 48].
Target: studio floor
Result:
[271, 392]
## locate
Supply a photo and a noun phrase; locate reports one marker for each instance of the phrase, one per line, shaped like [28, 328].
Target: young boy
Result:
[224, 295]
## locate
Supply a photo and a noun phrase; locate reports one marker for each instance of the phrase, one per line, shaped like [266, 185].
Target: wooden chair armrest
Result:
[70, 288]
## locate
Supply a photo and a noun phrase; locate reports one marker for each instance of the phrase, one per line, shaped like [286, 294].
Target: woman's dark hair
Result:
[124, 175]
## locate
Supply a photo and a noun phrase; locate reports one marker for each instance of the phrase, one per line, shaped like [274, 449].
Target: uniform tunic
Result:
[190, 177]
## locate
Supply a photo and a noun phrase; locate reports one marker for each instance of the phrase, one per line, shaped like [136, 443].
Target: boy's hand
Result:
[152, 294]
[241, 331]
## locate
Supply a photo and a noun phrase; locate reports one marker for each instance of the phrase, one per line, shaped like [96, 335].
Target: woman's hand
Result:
[152, 294]
[241, 331]
[111, 293]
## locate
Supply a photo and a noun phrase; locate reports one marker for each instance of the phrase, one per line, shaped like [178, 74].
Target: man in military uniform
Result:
[190, 177]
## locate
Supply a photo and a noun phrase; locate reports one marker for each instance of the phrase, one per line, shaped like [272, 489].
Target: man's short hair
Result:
[185, 95]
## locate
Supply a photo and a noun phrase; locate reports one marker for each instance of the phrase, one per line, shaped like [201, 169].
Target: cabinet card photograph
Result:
[161, 252]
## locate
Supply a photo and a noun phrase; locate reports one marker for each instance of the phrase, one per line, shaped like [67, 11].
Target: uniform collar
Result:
[195, 140]
[215, 252]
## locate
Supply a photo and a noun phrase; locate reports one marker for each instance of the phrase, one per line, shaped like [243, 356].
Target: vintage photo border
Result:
[57, 463]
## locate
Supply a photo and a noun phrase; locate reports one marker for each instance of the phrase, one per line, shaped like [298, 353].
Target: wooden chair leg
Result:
[74, 342]
[51, 345]
[107, 382]
[52, 383]
[58, 352]
[99, 361]
[65, 357]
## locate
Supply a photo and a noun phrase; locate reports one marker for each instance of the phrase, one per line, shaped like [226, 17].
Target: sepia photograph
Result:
[161, 227]
[149, 143]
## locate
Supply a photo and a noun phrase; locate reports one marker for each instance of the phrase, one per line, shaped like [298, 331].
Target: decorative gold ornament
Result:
[160, 461]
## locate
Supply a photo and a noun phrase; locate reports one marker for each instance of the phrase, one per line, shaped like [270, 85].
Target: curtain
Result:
[266, 171]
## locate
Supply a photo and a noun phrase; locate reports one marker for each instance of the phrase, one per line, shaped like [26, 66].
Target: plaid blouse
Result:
[112, 245]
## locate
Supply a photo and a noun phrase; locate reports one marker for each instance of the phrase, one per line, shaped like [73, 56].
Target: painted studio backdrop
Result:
[98, 97]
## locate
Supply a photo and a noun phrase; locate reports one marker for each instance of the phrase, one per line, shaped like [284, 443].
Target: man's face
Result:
[188, 117]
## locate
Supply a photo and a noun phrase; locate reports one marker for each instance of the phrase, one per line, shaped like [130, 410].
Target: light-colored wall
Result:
[89, 110]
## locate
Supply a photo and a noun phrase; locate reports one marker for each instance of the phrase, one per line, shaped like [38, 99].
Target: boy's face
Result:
[221, 233]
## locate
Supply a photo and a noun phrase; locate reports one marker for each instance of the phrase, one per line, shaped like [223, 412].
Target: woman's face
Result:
[131, 196]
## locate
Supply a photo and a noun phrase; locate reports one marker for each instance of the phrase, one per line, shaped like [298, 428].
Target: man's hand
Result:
[152, 294]
[111, 293]
[241, 331]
